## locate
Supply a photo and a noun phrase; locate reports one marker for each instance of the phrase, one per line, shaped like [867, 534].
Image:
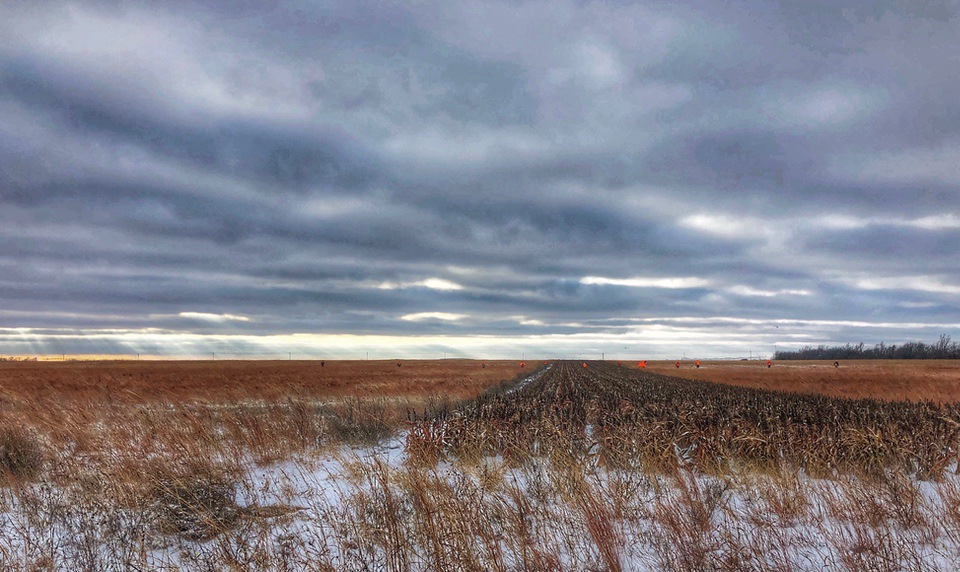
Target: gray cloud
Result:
[459, 169]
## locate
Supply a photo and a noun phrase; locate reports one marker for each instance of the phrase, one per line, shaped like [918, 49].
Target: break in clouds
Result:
[477, 178]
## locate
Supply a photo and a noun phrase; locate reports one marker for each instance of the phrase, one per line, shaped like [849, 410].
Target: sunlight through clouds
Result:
[477, 169]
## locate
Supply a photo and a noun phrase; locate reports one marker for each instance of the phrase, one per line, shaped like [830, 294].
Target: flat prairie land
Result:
[910, 380]
[366, 466]
[233, 381]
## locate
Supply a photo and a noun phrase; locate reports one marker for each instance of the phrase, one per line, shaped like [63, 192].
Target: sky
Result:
[479, 179]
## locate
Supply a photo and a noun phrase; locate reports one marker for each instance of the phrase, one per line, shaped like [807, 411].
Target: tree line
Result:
[941, 349]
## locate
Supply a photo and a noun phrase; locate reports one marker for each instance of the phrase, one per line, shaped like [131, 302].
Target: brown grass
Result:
[232, 381]
[911, 380]
[601, 469]
[209, 417]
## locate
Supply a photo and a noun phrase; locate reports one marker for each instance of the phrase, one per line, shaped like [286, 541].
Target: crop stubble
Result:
[628, 417]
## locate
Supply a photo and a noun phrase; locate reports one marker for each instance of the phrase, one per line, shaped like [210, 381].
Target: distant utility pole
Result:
[603, 356]
[214, 355]
[291, 355]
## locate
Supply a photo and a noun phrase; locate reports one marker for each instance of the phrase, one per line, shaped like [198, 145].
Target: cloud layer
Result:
[502, 175]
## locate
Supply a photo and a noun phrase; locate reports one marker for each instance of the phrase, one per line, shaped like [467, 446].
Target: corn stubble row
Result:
[632, 419]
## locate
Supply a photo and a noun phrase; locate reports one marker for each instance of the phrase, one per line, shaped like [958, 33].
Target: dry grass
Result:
[20, 455]
[118, 414]
[602, 469]
[234, 381]
[905, 380]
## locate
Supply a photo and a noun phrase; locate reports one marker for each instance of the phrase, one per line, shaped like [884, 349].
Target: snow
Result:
[329, 506]
[815, 540]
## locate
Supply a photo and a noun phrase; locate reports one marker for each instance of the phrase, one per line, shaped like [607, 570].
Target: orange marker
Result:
[678, 363]
[522, 364]
[698, 364]
[584, 365]
[768, 363]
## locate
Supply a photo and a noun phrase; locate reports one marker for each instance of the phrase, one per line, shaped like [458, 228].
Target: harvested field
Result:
[641, 419]
[913, 380]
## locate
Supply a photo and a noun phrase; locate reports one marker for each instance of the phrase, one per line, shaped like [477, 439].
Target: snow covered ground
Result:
[590, 518]
[372, 509]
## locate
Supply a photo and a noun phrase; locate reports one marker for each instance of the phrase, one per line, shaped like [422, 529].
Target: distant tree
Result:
[944, 348]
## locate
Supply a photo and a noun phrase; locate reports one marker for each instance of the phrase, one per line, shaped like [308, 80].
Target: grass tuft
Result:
[21, 458]
[195, 507]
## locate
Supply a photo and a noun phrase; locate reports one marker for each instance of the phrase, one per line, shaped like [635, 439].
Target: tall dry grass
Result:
[563, 469]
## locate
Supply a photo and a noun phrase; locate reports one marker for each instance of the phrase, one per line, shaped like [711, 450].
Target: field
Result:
[915, 380]
[460, 465]
[232, 381]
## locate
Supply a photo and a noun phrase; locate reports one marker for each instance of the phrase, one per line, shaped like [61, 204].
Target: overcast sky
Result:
[478, 178]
